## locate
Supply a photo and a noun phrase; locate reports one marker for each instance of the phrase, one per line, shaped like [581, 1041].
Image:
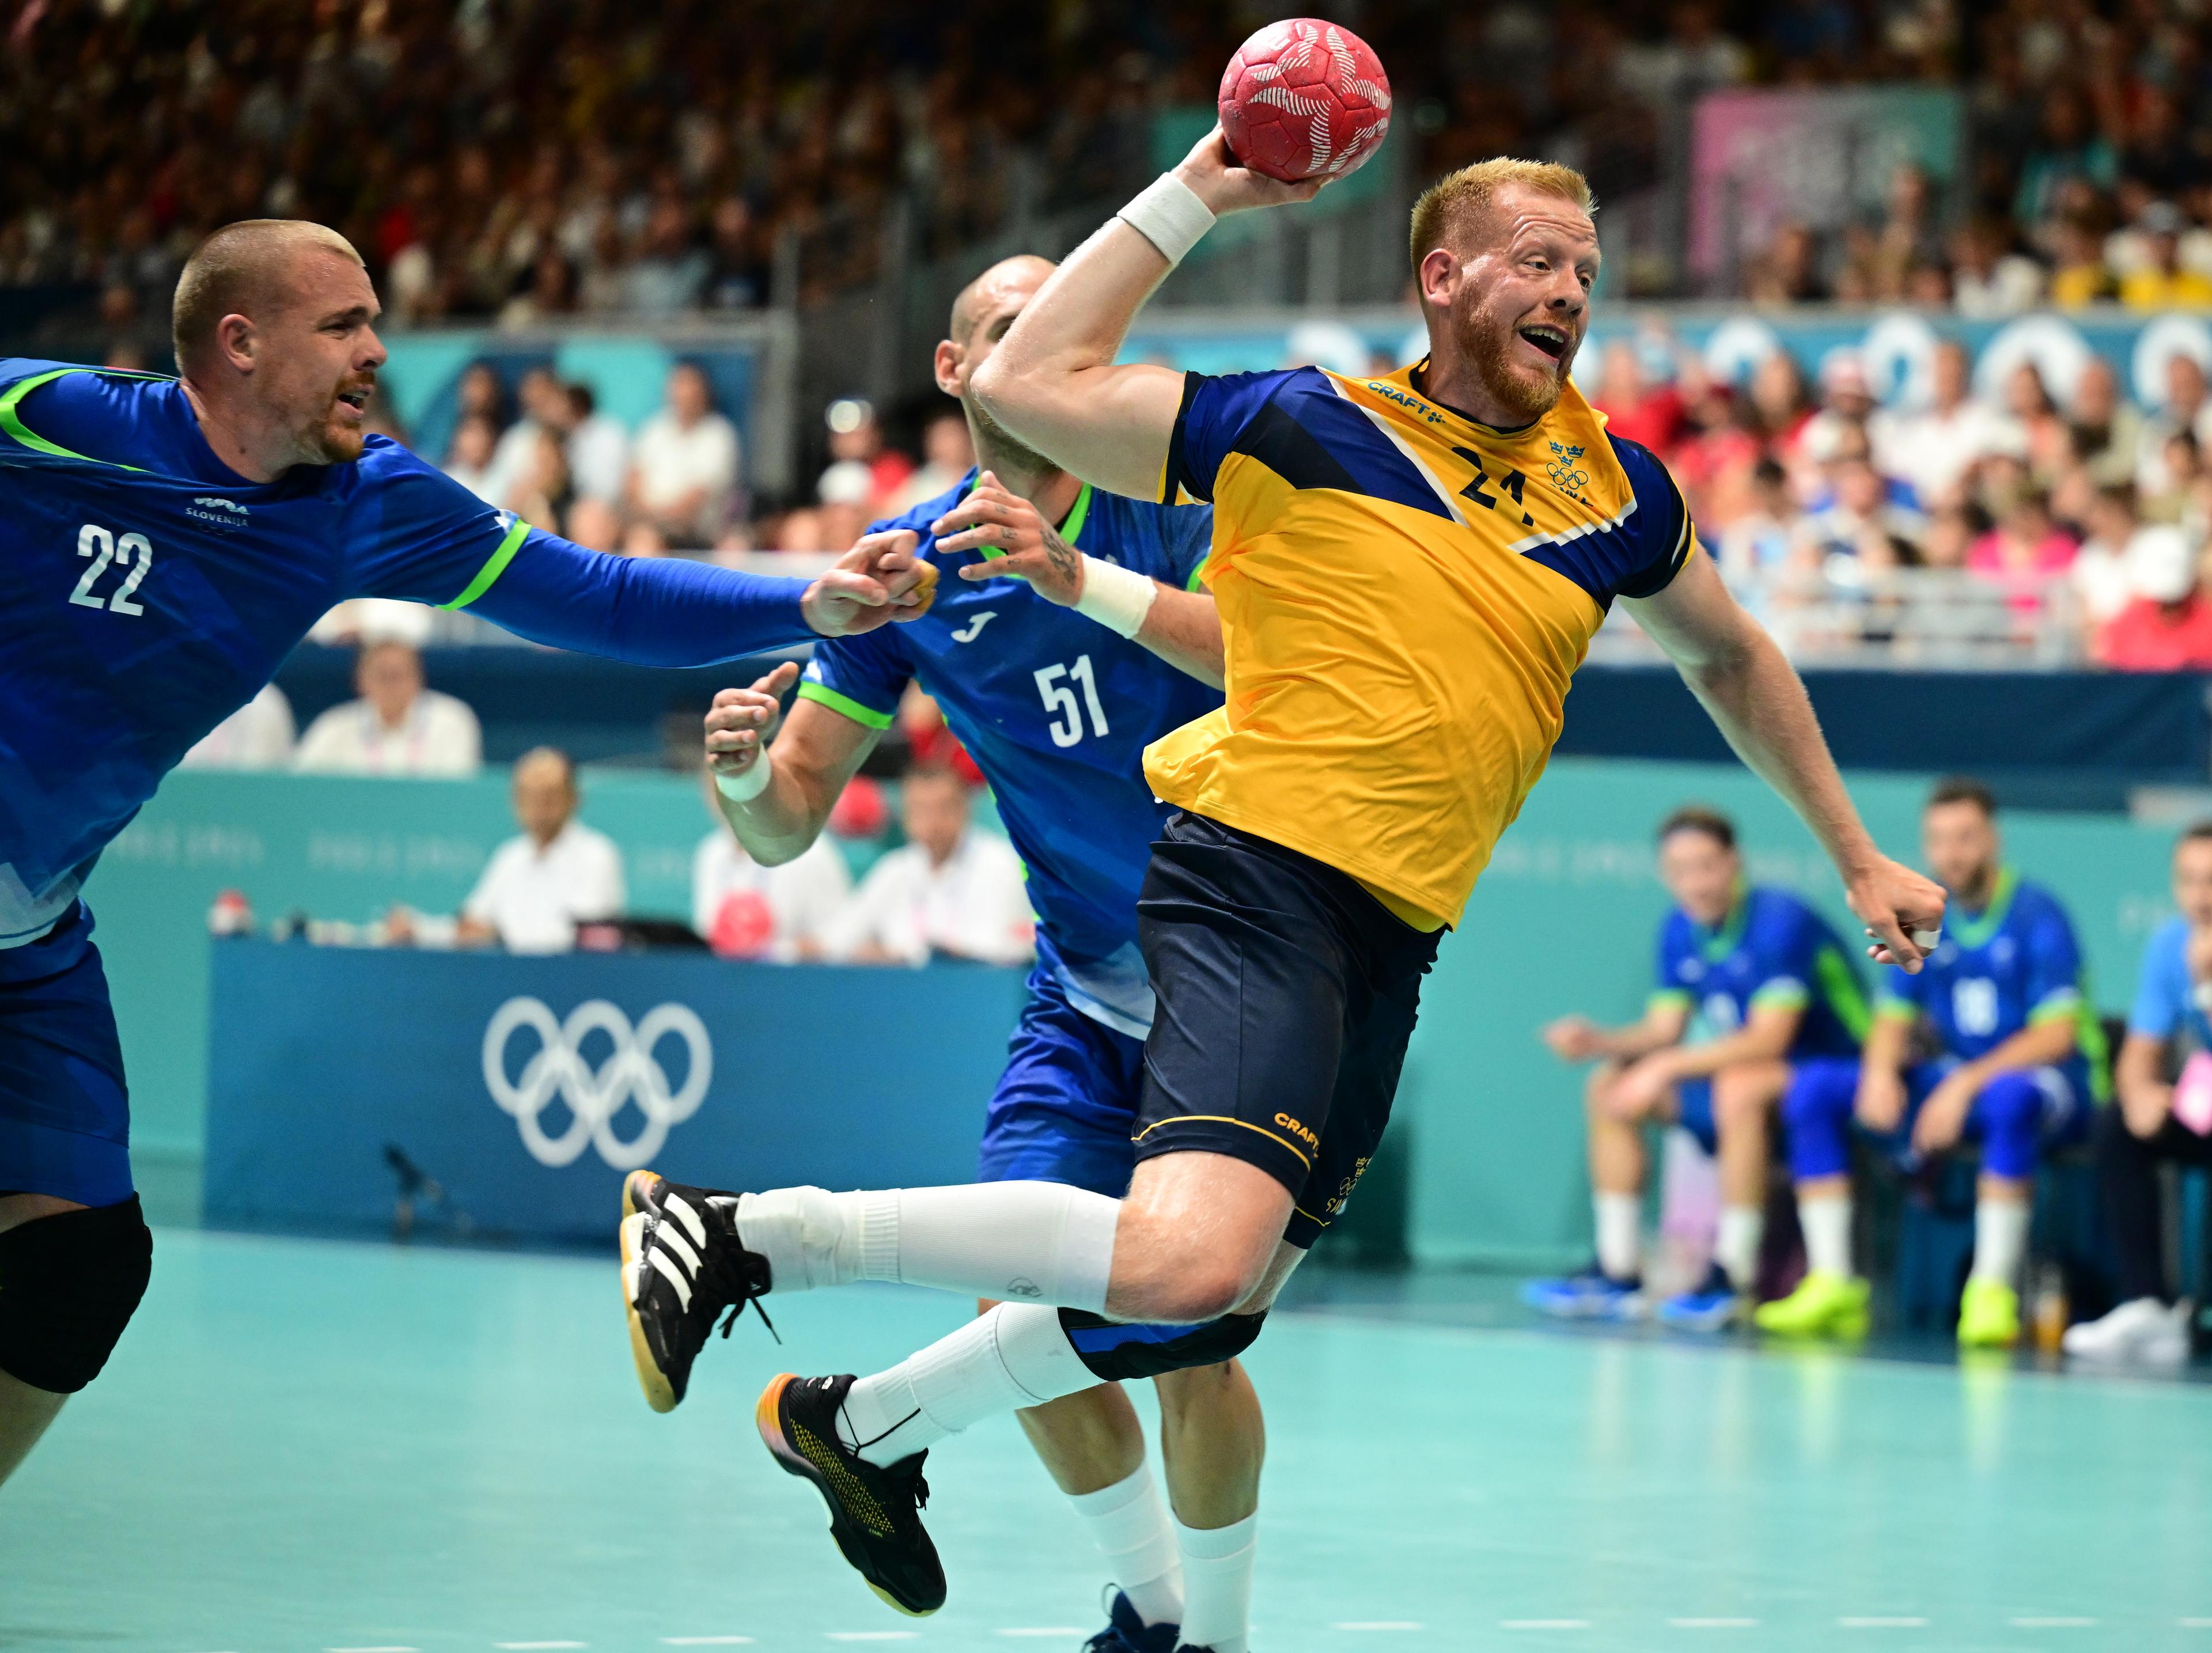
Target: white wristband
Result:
[743, 788]
[1169, 215]
[1117, 598]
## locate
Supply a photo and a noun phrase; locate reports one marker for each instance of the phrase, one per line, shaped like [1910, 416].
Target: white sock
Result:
[1619, 1237]
[1827, 1226]
[1028, 1241]
[1129, 1520]
[1217, 1583]
[1014, 1356]
[2000, 1239]
[1736, 1247]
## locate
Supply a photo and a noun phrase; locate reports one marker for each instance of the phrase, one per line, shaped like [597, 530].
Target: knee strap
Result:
[1117, 1351]
[69, 1284]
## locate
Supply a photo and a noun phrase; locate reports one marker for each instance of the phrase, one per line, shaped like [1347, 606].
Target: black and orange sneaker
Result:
[682, 1268]
[873, 1511]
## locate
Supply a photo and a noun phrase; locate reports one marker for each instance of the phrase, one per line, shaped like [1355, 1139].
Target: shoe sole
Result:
[768, 1417]
[660, 1393]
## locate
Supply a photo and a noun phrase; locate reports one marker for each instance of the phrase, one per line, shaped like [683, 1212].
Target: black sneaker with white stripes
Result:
[874, 1510]
[682, 1267]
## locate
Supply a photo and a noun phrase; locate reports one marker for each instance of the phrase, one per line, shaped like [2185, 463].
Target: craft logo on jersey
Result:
[222, 514]
[588, 1101]
[1406, 400]
[1566, 475]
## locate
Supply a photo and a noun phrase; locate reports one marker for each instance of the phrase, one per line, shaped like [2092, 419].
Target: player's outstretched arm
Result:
[666, 612]
[777, 805]
[1052, 381]
[1181, 627]
[1757, 699]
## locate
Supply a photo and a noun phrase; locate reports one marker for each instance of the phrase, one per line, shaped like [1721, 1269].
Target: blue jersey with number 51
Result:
[1057, 711]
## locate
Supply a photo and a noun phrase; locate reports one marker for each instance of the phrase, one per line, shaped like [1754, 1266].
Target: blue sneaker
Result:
[1589, 1294]
[1714, 1306]
[1126, 1631]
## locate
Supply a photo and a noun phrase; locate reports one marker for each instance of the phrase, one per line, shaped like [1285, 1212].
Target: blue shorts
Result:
[1066, 1105]
[65, 1115]
[1694, 1111]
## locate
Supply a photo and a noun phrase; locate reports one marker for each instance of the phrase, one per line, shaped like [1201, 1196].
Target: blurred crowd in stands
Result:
[2081, 519]
[522, 160]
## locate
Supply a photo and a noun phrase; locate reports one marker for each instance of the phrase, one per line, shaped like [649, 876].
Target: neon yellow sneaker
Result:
[1989, 1315]
[1823, 1305]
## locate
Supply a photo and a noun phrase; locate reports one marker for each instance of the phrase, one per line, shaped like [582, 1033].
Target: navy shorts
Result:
[1066, 1105]
[1694, 1111]
[65, 1115]
[1287, 995]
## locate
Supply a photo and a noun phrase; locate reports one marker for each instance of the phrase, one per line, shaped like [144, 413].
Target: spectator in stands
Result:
[1847, 402]
[2106, 427]
[684, 466]
[1789, 272]
[949, 893]
[670, 275]
[2018, 1070]
[2100, 573]
[2186, 411]
[545, 407]
[2067, 148]
[1765, 983]
[781, 914]
[1782, 407]
[1635, 407]
[2161, 283]
[2167, 626]
[1989, 275]
[598, 448]
[947, 455]
[1858, 520]
[1757, 544]
[2078, 275]
[856, 436]
[397, 727]
[556, 874]
[595, 525]
[543, 491]
[2025, 547]
[479, 391]
[737, 276]
[1937, 449]
[468, 458]
[847, 493]
[2157, 1121]
[257, 736]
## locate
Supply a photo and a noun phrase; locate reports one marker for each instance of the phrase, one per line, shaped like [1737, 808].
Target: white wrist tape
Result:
[1117, 598]
[1169, 215]
[743, 788]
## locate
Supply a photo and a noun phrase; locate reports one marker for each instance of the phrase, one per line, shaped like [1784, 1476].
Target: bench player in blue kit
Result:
[167, 543]
[1021, 653]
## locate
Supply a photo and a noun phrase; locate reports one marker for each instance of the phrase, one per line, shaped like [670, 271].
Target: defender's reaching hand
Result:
[1015, 539]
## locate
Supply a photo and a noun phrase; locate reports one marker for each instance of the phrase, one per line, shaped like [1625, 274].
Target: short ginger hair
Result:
[239, 270]
[1449, 206]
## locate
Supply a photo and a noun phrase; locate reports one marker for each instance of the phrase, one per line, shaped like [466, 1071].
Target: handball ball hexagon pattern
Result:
[1302, 99]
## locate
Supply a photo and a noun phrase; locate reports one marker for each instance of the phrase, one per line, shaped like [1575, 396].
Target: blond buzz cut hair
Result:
[240, 270]
[1452, 205]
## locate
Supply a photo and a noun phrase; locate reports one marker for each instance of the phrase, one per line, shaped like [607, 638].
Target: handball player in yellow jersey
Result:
[1408, 569]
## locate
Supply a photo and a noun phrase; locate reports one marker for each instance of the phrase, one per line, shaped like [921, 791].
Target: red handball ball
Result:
[1304, 98]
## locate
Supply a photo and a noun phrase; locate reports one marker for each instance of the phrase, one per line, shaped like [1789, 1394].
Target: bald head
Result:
[1006, 286]
[252, 268]
[544, 783]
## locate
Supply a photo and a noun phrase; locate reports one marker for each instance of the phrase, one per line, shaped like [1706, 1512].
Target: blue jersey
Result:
[2166, 993]
[1056, 711]
[1773, 950]
[1996, 972]
[147, 591]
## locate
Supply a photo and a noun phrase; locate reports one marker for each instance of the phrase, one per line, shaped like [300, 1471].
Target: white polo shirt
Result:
[438, 736]
[974, 906]
[745, 910]
[534, 897]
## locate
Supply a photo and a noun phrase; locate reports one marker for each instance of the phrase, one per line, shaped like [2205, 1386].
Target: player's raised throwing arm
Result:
[1756, 697]
[1052, 381]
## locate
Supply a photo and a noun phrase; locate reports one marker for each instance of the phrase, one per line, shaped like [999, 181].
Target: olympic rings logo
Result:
[632, 1074]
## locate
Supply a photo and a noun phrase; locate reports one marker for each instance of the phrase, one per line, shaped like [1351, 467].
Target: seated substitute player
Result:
[1408, 569]
[167, 543]
[2019, 1060]
[1057, 709]
[1773, 985]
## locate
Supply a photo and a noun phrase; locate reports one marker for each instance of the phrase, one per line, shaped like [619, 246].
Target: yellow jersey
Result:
[1405, 595]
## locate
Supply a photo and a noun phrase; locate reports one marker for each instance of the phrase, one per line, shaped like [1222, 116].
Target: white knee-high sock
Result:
[1735, 1247]
[1619, 1234]
[1015, 1356]
[1129, 1520]
[1827, 1226]
[2000, 1239]
[1217, 1583]
[1023, 1242]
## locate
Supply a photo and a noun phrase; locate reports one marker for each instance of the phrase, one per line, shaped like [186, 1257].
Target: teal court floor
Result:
[309, 1445]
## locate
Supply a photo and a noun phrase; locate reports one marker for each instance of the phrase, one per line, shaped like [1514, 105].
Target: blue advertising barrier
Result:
[526, 1087]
